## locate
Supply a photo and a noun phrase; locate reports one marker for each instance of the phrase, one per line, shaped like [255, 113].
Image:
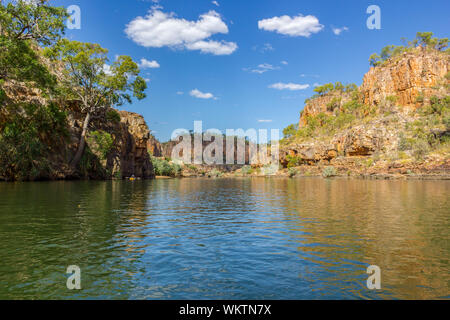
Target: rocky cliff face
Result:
[131, 156]
[416, 73]
[392, 127]
[128, 154]
[323, 104]
[413, 73]
[154, 147]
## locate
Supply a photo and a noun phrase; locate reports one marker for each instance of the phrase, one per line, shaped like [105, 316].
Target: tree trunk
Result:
[82, 144]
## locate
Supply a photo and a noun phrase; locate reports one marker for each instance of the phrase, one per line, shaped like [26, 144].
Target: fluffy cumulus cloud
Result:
[289, 86]
[144, 64]
[299, 26]
[159, 29]
[338, 31]
[215, 3]
[202, 95]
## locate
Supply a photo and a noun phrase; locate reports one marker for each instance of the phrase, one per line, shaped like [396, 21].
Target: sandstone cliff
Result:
[126, 156]
[411, 78]
[412, 74]
[397, 121]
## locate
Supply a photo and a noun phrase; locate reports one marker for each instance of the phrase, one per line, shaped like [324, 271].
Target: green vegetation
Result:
[329, 172]
[97, 87]
[423, 39]
[25, 25]
[292, 172]
[430, 132]
[337, 88]
[100, 142]
[246, 170]
[214, 173]
[26, 138]
[113, 116]
[290, 131]
[164, 167]
[294, 161]
[35, 55]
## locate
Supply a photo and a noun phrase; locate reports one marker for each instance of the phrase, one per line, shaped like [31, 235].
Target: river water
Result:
[241, 238]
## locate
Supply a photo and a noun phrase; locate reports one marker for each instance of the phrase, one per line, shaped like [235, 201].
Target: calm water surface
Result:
[225, 239]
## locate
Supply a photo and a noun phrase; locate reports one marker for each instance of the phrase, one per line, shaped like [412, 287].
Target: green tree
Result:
[425, 38]
[290, 131]
[98, 86]
[24, 26]
[324, 89]
[375, 60]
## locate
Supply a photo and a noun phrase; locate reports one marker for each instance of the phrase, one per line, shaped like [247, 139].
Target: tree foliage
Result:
[24, 26]
[423, 39]
[290, 131]
[99, 86]
[88, 77]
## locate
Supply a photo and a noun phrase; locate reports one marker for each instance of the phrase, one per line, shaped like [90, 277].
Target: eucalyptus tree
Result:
[24, 27]
[87, 77]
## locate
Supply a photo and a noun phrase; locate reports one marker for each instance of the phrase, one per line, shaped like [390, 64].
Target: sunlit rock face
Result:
[412, 74]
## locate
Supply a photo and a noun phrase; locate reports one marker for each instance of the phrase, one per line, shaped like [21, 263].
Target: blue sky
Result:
[245, 64]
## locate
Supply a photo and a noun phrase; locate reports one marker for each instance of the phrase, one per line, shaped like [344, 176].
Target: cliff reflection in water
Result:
[243, 238]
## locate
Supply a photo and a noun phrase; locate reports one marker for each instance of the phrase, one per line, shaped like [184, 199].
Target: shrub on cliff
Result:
[423, 39]
[290, 131]
[113, 116]
[163, 167]
[293, 161]
[101, 143]
[329, 172]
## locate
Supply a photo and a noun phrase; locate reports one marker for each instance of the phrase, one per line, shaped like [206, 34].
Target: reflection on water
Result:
[225, 239]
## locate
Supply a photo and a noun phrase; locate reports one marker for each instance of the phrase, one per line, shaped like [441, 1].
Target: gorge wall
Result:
[419, 72]
[127, 155]
[396, 117]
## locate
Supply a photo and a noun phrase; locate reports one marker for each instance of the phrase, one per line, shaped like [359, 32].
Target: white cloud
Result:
[201, 95]
[265, 121]
[214, 47]
[216, 3]
[338, 31]
[284, 62]
[180, 93]
[107, 69]
[159, 29]
[289, 86]
[148, 64]
[147, 79]
[262, 68]
[299, 26]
